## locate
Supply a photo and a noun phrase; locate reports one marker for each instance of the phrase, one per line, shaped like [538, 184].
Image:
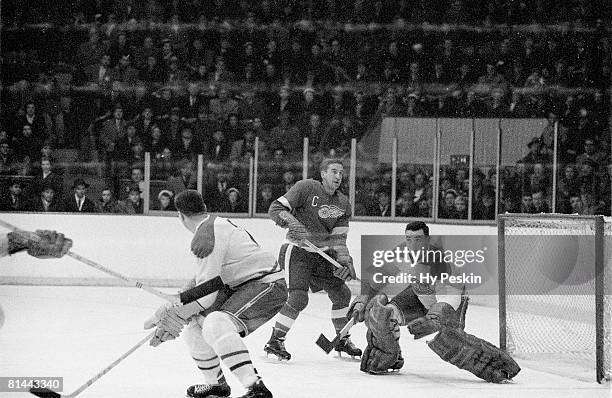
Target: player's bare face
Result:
[416, 240]
[332, 177]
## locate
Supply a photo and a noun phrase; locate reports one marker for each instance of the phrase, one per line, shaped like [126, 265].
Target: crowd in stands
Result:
[110, 80]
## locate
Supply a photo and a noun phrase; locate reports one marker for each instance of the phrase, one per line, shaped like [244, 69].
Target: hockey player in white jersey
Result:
[254, 292]
[426, 309]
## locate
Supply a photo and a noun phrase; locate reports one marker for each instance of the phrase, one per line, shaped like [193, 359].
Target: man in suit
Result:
[79, 202]
[14, 199]
[47, 201]
[112, 131]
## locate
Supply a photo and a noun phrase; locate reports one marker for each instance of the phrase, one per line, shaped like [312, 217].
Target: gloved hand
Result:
[297, 231]
[358, 307]
[439, 315]
[170, 320]
[341, 255]
[41, 244]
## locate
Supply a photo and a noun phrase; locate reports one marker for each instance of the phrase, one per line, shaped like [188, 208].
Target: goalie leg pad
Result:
[475, 355]
[383, 350]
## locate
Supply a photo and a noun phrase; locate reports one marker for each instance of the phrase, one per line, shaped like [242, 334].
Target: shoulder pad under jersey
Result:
[204, 238]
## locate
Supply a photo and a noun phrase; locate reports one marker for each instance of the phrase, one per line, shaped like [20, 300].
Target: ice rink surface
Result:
[75, 332]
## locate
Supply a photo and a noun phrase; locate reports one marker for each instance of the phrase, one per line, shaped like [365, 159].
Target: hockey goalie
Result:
[435, 310]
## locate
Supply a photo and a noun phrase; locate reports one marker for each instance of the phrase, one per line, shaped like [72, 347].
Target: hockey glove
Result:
[439, 315]
[341, 255]
[170, 320]
[297, 231]
[383, 350]
[357, 308]
[40, 244]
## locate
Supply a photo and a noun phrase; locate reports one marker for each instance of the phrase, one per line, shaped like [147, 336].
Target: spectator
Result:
[216, 195]
[108, 204]
[461, 208]
[134, 204]
[338, 137]
[540, 205]
[314, 131]
[8, 164]
[568, 184]
[46, 201]
[485, 206]
[193, 102]
[383, 202]
[251, 106]
[152, 72]
[47, 178]
[233, 129]
[186, 177]
[186, 147]
[174, 73]
[14, 199]
[220, 147]
[265, 199]
[535, 154]
[124, 72]
[26, 145]
[165, 202]
[163, 166]
[591, 152]
[527, 203]
[233, 202]
[33, 119]
[404, 207]
[123, 145]
[285, 136]
[576, 206]
[112, 131]
[223, 106]
[447, 208]
[79, 202]
[100, 73]
[91, 51]
[244, 148]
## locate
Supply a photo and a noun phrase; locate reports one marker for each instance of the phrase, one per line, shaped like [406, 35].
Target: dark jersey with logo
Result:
[322, 214]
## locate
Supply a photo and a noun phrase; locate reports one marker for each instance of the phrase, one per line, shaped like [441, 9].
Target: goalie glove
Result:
[297, 231]
[357, 308]
[439, 315]
[41, 244]
[170, 320]
[383, 351]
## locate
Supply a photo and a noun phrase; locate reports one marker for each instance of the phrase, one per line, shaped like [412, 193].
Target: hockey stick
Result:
[327, 345]
[201, 290]
[325, 255]
[100, 267]
[185, 297]
[46, 393]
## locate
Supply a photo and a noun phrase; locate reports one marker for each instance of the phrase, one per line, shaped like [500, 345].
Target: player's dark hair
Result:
[190, 203]
[417, 226]
[325, 163]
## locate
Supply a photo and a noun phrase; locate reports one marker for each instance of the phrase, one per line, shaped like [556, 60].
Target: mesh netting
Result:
[550, 292]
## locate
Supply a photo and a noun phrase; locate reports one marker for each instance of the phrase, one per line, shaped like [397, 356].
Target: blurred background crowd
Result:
[89, 87]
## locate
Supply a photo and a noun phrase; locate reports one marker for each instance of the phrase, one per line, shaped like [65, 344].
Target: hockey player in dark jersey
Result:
[426, 309]
[319, 212]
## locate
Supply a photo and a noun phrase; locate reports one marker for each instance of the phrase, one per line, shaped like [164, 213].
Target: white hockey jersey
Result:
[234, 255]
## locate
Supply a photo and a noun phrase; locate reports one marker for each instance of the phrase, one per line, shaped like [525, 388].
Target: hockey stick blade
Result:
[44, 393]
[326, 345]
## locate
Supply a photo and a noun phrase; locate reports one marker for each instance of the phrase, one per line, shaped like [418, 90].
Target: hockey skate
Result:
[209, 391]
[257, 390]
[346, 345]
[276, 346]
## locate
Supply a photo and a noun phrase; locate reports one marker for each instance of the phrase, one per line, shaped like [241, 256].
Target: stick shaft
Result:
[326, 256]
[100, 267]
[109, 367]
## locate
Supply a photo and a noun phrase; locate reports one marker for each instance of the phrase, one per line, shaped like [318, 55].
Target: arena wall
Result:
[154, 250]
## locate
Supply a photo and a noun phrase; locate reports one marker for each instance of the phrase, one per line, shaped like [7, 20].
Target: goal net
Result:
[555, 281]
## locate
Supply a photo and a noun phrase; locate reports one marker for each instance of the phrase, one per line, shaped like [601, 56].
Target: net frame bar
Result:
[598, 223]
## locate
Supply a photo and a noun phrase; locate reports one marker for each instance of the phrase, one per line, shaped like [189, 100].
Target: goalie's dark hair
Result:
[190, 203]
[417, 226]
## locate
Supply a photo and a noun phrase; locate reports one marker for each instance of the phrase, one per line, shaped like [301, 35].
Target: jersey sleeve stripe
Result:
[284, 202]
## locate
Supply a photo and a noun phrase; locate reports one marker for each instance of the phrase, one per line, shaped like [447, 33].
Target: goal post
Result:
[555, 291]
